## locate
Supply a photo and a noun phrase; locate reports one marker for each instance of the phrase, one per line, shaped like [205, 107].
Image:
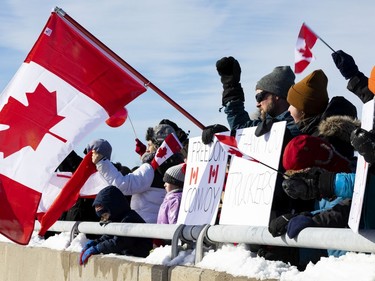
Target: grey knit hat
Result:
[278, 81]
[101, 146]
[159, 133]
[175, 175]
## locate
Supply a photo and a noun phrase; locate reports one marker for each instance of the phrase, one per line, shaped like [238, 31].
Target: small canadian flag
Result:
[170, 146]
[303, 55]
[229, 143]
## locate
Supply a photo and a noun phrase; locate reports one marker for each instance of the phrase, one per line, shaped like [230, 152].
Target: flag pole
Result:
[276, 170]
[320, 38]
[146, 82]
[326, 44]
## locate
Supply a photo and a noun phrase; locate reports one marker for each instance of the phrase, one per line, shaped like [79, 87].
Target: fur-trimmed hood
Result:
[337, 129]
[338, 126]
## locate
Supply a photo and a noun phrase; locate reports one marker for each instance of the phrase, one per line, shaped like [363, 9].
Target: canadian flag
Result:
[90, 189]
[67, 86]
[229, 144]
[303, 55]
[170, 145]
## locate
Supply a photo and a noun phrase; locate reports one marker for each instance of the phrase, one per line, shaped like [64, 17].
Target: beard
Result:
[268, 110]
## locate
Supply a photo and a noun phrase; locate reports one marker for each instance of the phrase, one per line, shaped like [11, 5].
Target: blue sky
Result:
[175, 44]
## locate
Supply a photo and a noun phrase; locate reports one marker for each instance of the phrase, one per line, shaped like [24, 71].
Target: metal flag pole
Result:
[146, 82]
[131, 123]
[320, 38]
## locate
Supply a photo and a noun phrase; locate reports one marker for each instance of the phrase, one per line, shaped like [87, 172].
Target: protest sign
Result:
[250, 185]
[204, 179]
[367, 121]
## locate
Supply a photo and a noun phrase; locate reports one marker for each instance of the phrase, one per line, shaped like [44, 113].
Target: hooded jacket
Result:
[336, 130]
[113, 201]
[146, 199]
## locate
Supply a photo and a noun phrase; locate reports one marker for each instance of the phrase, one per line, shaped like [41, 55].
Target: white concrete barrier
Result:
[43, 264]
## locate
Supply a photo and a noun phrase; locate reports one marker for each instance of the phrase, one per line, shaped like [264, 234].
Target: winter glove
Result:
[101, 146]
[89, 244]
[345, 63]
[85, 254]
[140, 148]
[364, 142]
[230, 72]
[313, 183]
[209, 132]
[277, 226]
[297, 224]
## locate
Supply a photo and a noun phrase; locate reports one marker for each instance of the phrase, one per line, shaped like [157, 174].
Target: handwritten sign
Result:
[250, 185]
[367, 121]
[204, 180]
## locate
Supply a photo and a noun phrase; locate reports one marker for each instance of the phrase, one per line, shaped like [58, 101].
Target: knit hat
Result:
[159, 133]
[278, 81]
[310, 94]
[176, 175]
[305, 151]
[371, 81]
[101, 146]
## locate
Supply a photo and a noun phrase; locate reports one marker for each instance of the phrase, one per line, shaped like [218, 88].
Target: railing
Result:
[203, 235]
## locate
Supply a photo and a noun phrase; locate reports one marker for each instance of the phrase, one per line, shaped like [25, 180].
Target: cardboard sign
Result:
[250, 185]
[367, 122]
[203, 185]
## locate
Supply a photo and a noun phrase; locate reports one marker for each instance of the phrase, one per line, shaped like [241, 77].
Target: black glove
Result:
[364, 142]
[345, 63]
[313, 183]
[209, 132]
[278, 226]
[298, 223]
[230, 72]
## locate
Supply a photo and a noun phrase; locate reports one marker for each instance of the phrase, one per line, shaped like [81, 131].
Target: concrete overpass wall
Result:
[40, 264]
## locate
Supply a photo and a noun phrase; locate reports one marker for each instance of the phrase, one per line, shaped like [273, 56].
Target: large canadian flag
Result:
[67, 86]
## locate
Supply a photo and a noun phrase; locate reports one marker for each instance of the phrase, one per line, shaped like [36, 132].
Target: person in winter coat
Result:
[145, 184]
[112, 206]
[318, 182]
[302, 153]
[174, 182]
[271, 93]
[315, 115]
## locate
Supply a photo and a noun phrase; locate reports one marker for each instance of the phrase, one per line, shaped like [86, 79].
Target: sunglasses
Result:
[261, 96]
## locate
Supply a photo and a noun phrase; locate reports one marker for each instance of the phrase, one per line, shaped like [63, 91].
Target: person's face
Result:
[105, 216]
[265, 103]
[168, 187]
[295, 113]
[151, 147]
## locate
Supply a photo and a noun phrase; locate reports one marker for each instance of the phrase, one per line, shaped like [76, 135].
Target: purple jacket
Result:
[168, 212]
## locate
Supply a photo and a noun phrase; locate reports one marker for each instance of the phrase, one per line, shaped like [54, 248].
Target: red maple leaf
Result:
[28, 124]
[162, 151]
[305, 52]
